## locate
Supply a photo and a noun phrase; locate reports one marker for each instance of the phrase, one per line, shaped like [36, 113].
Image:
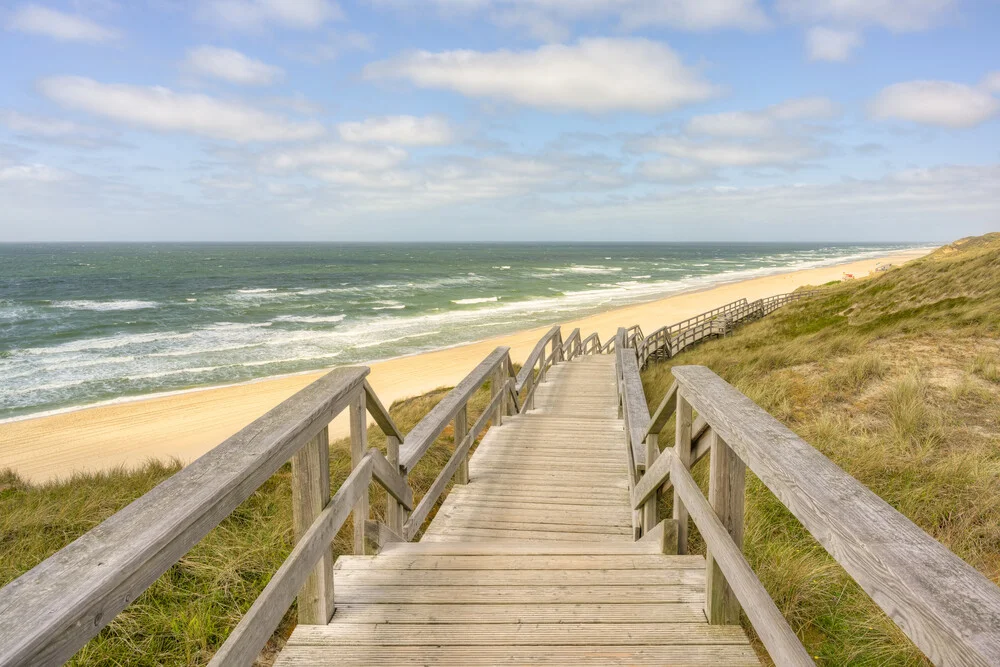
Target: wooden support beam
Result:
[359, 445]
[310, 494]
[726, 495]
[682, 456]
[462, 429]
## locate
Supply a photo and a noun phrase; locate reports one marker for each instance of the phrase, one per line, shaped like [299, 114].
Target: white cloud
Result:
[549, 19]
[831, 45]
[59, 25]
[232, 66]
[54, 129]
[163, 110]
[36, 173]
[402, 130]
[675, 171]
[594, 75]
[733, 124]
[768, 152]
[895, 15]
[942, 103]
[342, 156]
[764, 123]
[256, 14]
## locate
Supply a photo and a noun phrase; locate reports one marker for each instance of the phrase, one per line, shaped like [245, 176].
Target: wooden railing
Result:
[50, 612]
[533, 371]
[671, 340]
[946, 607]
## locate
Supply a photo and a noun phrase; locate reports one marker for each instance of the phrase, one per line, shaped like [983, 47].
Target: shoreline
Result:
[186, 423]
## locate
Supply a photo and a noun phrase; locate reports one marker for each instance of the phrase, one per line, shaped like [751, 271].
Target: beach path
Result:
[532, 561]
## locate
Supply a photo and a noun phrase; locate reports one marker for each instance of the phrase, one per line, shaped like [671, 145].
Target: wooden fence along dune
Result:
[547, 550]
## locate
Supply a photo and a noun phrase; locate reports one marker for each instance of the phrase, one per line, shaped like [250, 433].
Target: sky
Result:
[499, 120]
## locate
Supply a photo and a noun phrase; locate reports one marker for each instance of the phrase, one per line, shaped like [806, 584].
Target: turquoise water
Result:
[81, 324]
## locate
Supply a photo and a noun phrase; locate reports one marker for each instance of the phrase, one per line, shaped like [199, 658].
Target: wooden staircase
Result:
[532, 561]
[548, 549]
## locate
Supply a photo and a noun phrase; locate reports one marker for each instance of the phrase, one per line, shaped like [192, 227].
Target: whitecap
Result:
[120, 304]
[310, 319]
[468, 302]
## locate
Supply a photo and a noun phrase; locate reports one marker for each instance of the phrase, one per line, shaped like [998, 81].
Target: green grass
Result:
[187, 613]
[897, 380]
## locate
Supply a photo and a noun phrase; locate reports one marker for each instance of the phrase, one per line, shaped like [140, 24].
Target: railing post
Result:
[359, 444]
[649, 517]
[310, 494]
[394, 512]
[497, 384]
[461, 430]
[682, 450]
[726, 494]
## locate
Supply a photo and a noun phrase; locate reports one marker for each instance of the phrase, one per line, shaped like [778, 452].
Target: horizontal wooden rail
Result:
[250, 635]
[433, 424]
[532, 359]
[430, 498]
[380, 414]
[944, 605]
[772, 628]
[50, 612]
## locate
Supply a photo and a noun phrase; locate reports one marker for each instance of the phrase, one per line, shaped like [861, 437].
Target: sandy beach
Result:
[186, 425]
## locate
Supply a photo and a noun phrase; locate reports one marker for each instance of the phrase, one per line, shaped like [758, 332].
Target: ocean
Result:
[87, 323]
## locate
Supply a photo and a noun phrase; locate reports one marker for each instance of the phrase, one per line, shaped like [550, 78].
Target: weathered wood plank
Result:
[653, 478]
[781, 642]
[389, 479]
[682, 458]
[380, 414]
[664, 535]
[430, 427]
[310, 494]
[493, 614]
[726, 490]
[252, 632]
[522, 577]
[949, 610]
[532, 359]
[731, 655]
[663, 412]
[50, 612]
[359, 445]
[518, 634]
[406, 560]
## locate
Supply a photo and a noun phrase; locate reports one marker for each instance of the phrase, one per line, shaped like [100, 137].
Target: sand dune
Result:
[188, 424]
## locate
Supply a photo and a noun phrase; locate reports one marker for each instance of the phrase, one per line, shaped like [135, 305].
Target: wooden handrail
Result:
[380, 414]
[772, 628]
[430, 498]
[532, 359]
[253, 631]
[944, 605]
[431, 426]
[50, 612]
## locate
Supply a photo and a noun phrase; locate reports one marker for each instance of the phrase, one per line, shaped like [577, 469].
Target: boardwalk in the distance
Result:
[532, 562]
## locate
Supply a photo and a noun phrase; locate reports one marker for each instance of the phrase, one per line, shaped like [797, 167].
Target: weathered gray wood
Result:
[430, 427]
[251, 634]
[380, 414]
[50, 612]
[380, 534]
[726, 490]
[359, 445]
[310, 494]
[462, 429]
[394, 513]
[782, 644]
[427, 503]
[664, 535]
[389, 479]
[532, 360]
[663, 411]
[654, 478]
[949, 610]
[635, 405]
[682, 458]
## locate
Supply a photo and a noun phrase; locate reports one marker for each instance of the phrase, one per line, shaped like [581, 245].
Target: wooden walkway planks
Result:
[532, 562]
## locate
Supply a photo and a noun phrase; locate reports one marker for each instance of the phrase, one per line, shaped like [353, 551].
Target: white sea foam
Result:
[310, 319]
[120, 304]
[469, 302]
[258, 290]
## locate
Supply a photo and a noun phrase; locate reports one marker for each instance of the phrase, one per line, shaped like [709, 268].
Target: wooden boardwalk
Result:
[548, 549]
[532, 562]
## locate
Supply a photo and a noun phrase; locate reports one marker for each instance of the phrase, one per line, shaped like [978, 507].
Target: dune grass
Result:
[896, 379]
[187, 613]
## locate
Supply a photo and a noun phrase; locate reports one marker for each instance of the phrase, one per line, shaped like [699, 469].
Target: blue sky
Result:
[410, 120]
